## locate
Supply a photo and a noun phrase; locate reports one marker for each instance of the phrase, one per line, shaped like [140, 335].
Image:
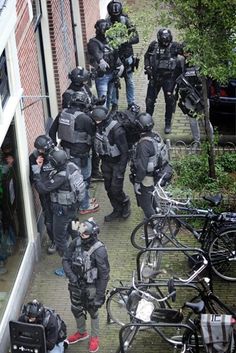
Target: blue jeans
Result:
[104, 87]
[85, 166]
[129, 85]
[59, 348]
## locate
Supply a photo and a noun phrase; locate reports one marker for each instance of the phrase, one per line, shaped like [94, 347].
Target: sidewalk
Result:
[52, 290]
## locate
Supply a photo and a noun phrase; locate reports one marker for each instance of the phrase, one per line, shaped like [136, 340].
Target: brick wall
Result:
[90, 13]
[61, 35]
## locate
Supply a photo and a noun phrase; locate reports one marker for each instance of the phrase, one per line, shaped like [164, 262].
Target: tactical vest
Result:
[160, 157]
[108, 54]
[102, 144]
[61, 326]
[66, 129]
[72, 190]
[85, 97]
[163, 60]
[82, 265]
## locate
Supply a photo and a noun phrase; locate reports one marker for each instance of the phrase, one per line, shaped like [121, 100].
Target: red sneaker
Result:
[93, 344]
[76, 337]
[92, 209]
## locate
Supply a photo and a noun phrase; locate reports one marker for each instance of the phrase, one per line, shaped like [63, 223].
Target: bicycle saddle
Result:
[196, 307]
[214, 200]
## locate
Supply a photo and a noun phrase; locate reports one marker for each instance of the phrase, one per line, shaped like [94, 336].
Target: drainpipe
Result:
[77, 32]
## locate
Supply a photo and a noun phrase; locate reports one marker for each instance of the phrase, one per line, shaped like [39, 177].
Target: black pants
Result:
[153, 90]
[114, 185]
[145, 200]
[47, 212]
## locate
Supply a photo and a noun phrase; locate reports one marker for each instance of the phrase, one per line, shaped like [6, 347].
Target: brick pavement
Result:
[52, 290]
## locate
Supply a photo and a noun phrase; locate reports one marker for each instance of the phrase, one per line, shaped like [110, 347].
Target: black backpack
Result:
[62, 330]
[128, 120]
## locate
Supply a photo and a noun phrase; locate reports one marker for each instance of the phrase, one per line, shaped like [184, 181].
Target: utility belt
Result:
[65, 198]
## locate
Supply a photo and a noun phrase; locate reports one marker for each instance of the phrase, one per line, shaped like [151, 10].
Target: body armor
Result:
[66, 129]
[108, 54]
[82, 265]
[102, 144]
[163, 60]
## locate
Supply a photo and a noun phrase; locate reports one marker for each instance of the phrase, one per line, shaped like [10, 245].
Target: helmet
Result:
[114, 8]
[57, 158]
[33, 309]
[101, 26]
[89, 227]
[145, 122]
[79, 99]
[79, 75]
[44, 142]
[164, 37]
[99, 113]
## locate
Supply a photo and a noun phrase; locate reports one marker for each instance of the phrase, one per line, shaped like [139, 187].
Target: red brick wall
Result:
[60, 26]
[90, 13]
[29, 73]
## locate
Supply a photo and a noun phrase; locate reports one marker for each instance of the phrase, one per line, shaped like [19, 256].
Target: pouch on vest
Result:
[66, 128]
[76, 181]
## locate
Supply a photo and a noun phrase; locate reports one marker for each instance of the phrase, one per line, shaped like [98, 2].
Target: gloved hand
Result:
[137, 188]
[120, 70]
[103, 65]
[75, 225]
[101, 100]
[148, 70]
[98, 302]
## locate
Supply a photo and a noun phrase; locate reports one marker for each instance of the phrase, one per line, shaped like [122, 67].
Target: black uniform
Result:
[63, 203]
[44, 198]
[144, 151]
[111, 144]
[160, 63]
[51, 328]
[88, 279]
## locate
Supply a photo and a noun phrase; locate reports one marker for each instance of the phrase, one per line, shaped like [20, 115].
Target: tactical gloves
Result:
[137, 188]
[103, 65]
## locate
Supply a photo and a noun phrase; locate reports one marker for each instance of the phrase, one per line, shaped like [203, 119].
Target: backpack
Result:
[163, 167]
[62, 331]
[128, 121]
[76, 181]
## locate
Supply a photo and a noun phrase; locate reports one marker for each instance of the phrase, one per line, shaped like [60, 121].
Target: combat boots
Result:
[126, 208]
[112, 216]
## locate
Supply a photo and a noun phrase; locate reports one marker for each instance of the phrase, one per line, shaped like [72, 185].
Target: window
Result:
[37, 13]
[4, 85]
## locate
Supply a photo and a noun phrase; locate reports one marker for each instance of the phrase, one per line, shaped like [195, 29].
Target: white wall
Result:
[103, 8]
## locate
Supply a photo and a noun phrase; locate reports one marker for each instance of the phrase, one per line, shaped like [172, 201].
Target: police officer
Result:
[189, 92]
[35, 312]
[150, 162]
[111, 145]
[106, 62]
[87, 268]
[64, 199]
[160, 61]
[125, 51]
[43, 146]
[77, 130]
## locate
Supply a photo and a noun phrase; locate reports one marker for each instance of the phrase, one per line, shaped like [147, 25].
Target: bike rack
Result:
[156, 327]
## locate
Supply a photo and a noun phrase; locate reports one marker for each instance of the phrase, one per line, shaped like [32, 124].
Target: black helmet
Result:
[145, 122]
[99, 113]
[79, 75]
[79, 99]
[57, 158]
[89, 227]
[33, 309]
[44, 142]
[164, 37]
[101, 26]
[114, 8]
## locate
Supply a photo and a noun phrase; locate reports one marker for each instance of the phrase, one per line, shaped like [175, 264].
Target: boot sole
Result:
[80, 339]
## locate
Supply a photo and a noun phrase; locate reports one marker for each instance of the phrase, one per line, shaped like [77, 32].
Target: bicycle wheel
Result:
[162, 229]
[128, 336]
[150, 261]
[222, 254]
[116, 306]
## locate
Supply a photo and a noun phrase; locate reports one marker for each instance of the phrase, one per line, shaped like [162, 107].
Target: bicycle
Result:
[217, 236]
[145, 314]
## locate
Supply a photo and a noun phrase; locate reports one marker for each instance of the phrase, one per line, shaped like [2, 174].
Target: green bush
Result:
[192, 172]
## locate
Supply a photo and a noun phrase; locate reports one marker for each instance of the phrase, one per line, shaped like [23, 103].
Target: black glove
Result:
[98, 302]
